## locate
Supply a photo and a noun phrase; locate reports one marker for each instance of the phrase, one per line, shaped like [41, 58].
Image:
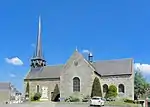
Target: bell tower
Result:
[38, 60]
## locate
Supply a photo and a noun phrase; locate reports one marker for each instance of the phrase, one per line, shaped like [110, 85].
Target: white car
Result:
[97, 101]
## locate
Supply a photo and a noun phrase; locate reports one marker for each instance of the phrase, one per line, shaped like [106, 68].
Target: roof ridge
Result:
[113, 60]
[54, 65]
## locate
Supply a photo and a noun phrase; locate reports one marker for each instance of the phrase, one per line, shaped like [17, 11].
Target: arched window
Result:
[105, 88]
[76, 84]
[37, 88]
[121, 88]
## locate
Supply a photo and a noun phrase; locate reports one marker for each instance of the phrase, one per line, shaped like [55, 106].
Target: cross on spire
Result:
[76, 48]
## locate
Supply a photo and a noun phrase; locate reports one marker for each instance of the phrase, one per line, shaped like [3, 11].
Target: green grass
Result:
[120, 103]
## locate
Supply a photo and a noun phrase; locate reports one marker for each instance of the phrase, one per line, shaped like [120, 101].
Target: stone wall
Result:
[82, 70]
[126, 80]
[4, 96]
[50, 84]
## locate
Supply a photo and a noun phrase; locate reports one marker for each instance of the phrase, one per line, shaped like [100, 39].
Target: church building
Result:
[76, 76]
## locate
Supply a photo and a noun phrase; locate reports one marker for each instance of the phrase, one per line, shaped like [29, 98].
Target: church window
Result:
[41, 64]
[76, 84]
[37, 88]
[121, 88]
[76, 63]
[105, 88]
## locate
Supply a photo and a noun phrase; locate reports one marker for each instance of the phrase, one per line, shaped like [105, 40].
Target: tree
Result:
[27, 89]
[140, 84]
[55, 93]
[96, 88]
[112, 91]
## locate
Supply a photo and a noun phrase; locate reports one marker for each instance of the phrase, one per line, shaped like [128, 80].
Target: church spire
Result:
[38, 60]
[39, 45]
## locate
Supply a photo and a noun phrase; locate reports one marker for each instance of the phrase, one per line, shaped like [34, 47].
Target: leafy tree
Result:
[112, 91]
[96, 88]
[140, 84]
[56, 92]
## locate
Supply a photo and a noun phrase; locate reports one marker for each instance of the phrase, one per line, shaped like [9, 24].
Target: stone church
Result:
[77, 74]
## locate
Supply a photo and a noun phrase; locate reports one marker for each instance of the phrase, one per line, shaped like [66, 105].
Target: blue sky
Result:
[109, 29]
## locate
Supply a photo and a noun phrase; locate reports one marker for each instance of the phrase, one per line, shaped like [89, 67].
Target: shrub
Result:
[32, 98]
[96, 88]
[67, 99]
[27, 90]
[56, 92]
[36, 97]
[112, 92]
[86, 98]
[131, 101]
[128, 101]
[72, 99]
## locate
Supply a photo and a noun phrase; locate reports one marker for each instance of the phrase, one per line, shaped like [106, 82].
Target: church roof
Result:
[4, 86]
[45, 72]
[103, 68]
[114, 67]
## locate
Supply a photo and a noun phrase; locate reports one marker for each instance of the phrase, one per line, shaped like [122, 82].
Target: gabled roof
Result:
[103, 68]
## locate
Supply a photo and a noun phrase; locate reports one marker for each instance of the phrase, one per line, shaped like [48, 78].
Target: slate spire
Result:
[38, 60]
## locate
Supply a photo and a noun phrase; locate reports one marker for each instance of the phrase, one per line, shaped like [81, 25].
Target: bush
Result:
[86, 98]
[32, 98]
[27, 88]
[96, 88]
[72, 99]
[36, 97]
[112, 92]
[55, 93]
[129, 101]
[132, 101]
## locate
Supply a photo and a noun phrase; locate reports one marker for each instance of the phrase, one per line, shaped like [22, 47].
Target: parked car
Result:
[97, 101]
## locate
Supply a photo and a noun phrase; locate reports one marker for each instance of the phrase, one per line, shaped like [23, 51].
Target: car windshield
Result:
[95, 98]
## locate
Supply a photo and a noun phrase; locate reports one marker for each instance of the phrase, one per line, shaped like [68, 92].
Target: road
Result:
[47, 104]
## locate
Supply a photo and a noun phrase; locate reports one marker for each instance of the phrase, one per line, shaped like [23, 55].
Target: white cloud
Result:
[14, 61]
[145, 68]
[12, 75]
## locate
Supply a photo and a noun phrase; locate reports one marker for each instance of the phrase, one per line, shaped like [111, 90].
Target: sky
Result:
[110, 29]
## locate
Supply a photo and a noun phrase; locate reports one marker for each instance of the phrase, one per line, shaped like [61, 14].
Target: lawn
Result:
[119, 103]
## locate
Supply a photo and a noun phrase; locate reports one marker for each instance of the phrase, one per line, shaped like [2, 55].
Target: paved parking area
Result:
[71, 105]
[47, 104]
[41, 104]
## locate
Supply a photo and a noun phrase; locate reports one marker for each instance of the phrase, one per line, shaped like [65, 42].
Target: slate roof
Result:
[45, 72]
[104, 68]
[4, 86]
[114, 67]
